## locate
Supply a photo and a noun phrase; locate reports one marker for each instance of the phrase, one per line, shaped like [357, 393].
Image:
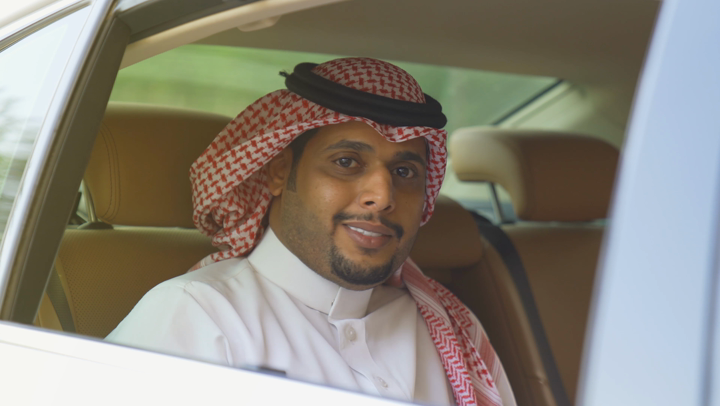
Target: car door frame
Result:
[55, 168]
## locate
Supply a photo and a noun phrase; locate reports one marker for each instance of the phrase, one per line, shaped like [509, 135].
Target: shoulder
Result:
[199, 293]
[215, 274]
[213, 288]
[186, 315]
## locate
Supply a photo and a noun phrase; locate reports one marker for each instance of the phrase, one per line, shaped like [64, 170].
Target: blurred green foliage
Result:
[225, 80]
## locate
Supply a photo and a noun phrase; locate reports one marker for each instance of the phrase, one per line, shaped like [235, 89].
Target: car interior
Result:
[545, 166]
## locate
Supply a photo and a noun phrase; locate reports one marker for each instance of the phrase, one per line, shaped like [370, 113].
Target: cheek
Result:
[410, 210]
[327, 196]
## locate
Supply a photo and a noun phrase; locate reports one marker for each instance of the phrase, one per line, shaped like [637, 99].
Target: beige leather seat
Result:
[138, 182]
[559, 185]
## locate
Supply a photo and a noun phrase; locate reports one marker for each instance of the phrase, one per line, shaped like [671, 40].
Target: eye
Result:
[404, 172]
[346, 162]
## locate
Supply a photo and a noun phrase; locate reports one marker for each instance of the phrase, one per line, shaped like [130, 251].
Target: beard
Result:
[314, 245]
[357, 274]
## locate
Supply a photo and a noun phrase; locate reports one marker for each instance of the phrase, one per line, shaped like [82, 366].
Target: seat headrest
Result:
[449, 240]
[138, 169]
[550, 176]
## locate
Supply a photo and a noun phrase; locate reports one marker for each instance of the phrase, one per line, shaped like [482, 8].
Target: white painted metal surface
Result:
[44, 368]
[648, 338]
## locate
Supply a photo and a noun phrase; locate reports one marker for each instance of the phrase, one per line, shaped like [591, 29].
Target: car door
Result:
[653, 332]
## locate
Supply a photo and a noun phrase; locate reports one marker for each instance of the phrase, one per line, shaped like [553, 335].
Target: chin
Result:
[361, 271]
[370, 260]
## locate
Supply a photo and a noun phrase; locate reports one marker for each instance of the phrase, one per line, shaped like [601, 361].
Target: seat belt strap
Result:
[59, 300]
[511, 258]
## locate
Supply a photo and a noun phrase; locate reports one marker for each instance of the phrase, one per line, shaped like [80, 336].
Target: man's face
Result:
[354, 204]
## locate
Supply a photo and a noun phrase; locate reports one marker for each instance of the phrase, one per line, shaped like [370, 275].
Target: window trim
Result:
[38, 20]
[517, 109]
[152, 17]
[33, 232]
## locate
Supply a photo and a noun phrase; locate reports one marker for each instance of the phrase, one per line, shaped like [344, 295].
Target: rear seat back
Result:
[559, 185]
[137, 179]
[550, 176]
[138, 174]
[448, 242]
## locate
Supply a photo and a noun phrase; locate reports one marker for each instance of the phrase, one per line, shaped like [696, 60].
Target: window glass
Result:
[227, 79]
[506, 206]
[30, 71]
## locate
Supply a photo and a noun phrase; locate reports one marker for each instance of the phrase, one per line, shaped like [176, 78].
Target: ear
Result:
[278, 171]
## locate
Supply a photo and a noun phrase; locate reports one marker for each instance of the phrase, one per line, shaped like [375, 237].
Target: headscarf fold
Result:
[470, 362]
[231, 198]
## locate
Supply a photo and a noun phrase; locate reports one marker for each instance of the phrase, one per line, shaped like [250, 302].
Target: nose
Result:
[377, 193]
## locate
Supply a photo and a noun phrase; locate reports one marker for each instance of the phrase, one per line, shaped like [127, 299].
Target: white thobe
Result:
[270, 310]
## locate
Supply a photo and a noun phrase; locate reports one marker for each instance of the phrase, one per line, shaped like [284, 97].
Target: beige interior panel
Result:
[564, 38]
[244, 17]
[550, 176]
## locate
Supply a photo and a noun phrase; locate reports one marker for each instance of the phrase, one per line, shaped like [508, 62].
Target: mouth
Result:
[368, 235]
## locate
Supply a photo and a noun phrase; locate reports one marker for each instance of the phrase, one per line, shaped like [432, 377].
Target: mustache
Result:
[342, 216]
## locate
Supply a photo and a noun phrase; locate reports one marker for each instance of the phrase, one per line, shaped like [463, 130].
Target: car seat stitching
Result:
[113, 162]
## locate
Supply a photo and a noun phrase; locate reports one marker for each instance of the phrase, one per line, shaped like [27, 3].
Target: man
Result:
[315, 195]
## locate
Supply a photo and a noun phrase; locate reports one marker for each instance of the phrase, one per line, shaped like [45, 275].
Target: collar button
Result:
[351, 334]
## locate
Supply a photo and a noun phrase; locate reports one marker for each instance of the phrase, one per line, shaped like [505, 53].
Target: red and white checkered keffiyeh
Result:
[231, 198]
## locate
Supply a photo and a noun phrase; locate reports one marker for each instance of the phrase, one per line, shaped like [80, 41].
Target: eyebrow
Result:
[354, 145]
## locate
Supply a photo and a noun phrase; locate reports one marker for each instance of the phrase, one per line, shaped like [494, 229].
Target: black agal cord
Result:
[353, 102]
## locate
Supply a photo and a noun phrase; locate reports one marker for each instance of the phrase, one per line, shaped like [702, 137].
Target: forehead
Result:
[360, 132]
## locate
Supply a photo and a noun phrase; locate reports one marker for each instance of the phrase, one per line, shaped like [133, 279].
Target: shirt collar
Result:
[274, 261]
